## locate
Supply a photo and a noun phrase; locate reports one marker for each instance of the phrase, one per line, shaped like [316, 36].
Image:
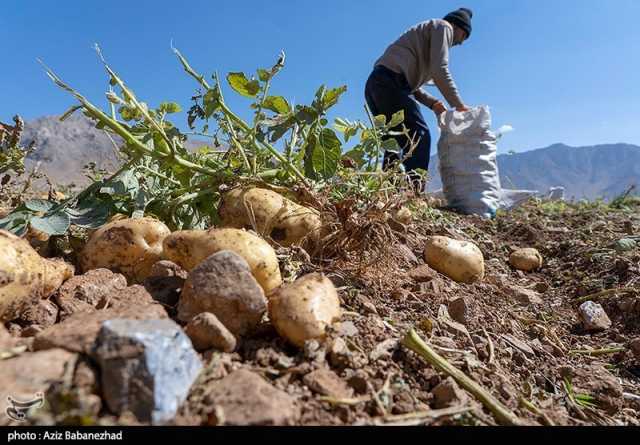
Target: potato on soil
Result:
[25, 276]
[129, 246]
[190, 248]
[526, 260]
[303, 310]
[462, 261]
[403, 216]
[274, 216]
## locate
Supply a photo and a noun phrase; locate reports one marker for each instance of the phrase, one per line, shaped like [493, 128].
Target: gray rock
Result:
[594, 317]
[147, 367]
[224, 286]
[207, 332]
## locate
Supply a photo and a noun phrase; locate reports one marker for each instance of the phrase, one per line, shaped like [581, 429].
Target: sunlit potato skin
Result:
[190, 248]
[127, 246]
[273, 215]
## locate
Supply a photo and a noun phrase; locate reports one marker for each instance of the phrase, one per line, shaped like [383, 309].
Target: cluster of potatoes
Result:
[299, 311]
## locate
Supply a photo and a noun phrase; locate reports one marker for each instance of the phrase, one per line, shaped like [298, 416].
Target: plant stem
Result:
[607, 293]
[597, 352]
[502, 414]
[535, 410]
[137, 104]
[242, 124]
[98, 115]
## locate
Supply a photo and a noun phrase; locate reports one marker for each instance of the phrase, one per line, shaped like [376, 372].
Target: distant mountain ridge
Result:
[601, 171]
[64, 148]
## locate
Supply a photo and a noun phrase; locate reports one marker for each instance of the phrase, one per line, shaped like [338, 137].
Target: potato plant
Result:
[282, 145]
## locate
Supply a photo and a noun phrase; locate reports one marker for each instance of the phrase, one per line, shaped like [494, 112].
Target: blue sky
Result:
[558, 71]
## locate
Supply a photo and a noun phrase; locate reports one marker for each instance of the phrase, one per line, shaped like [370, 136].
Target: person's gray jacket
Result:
[422, 55]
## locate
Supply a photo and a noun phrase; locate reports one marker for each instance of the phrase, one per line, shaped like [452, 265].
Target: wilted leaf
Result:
[277, 104]
[39, 205]
[90, 215]
[242, 85]
[211, 102]
[332, 96]
[396, 119]
[380, 121]
[56, 224]
[390, 145]
[264, 75]
[170, 107]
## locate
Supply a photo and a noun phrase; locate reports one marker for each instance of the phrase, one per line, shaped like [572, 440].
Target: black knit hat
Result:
[461, 18]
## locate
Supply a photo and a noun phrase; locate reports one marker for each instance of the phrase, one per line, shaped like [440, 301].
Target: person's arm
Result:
[429, 101]
[441, 39]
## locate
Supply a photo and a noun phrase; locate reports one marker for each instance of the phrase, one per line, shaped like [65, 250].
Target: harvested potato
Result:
[128, 246]
[274, 216]
[403, 216]
[462, 261]
[303, 310]
[526, 260]
[25, 276]
[190, 248]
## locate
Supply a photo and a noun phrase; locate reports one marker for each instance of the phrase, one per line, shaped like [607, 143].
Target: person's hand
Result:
[439, 108]
[463, 108]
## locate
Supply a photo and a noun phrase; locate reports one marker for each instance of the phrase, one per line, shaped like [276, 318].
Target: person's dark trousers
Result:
[387, 93]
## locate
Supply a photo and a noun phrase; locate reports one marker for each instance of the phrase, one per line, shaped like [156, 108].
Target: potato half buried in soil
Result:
[273, 215]
[303, 310]
[462, 261]
[190, 248]
[129, 246]
[25, 276]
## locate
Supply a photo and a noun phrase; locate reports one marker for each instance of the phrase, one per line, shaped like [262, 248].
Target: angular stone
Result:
[166, 282]
[327, 383]
[168, 269]
[448, 394]
[459, 310]
[91, 290]
[43, 313]
[245, 399]
[524, 296]
[522, 346]
[594, 317]
[23, 377]
[402, 251]
[147, 367]
[423, 274]
[206, 332]
[78, 333]
[224, 286]
[339, 354]
[347, 329]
